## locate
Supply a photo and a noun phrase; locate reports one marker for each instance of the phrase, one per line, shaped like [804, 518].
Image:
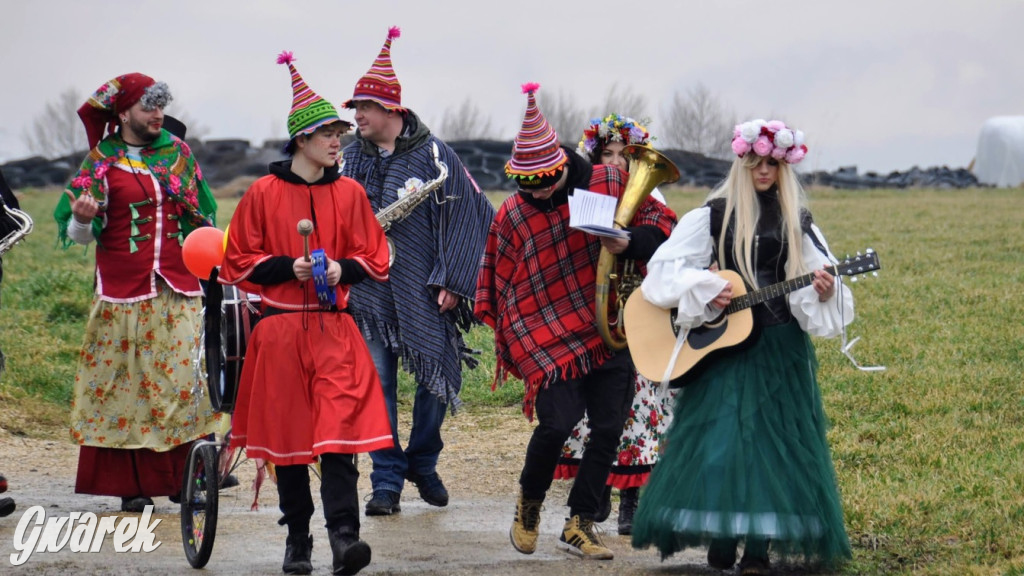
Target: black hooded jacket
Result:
[279, 268]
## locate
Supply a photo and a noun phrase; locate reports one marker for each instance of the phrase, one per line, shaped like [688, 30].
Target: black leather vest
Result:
[770, 253]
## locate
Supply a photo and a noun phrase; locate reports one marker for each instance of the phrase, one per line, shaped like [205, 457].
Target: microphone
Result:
[305, 228]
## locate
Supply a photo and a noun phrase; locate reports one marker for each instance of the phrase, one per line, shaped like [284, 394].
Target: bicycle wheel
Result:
[199, 504]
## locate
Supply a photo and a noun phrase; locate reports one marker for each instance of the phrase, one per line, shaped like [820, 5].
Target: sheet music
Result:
[594, 213]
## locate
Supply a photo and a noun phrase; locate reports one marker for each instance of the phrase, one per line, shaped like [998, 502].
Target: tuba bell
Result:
[647, 169]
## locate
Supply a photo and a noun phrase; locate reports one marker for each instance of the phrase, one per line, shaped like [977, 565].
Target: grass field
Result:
[930, 452]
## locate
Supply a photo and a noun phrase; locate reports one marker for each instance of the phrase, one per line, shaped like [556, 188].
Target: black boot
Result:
[722, 553]
[298, 552]
[350, 553]
[628, 499]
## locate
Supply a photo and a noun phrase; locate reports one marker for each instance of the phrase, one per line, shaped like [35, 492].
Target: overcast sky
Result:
[881, 84]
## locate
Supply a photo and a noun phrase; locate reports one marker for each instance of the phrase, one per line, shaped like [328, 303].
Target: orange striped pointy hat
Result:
[537, 157]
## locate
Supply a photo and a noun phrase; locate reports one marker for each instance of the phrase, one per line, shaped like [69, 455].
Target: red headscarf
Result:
[101, 109]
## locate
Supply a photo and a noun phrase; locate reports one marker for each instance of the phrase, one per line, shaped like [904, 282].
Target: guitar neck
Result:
[774, 291]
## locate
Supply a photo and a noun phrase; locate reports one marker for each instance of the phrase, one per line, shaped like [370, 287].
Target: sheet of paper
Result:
[594, 213]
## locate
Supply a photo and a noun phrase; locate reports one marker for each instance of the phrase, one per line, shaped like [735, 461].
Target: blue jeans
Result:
[392, 466]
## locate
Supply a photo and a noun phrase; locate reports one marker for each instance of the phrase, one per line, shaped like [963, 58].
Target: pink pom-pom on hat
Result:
[285, 57]
[530, 87]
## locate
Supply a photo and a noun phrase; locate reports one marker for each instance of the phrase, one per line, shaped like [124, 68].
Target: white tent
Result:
[1000, 157]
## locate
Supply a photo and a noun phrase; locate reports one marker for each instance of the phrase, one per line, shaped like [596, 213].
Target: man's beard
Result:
[141, 131]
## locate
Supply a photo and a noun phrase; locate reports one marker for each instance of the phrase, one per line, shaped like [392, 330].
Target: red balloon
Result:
[203, 250]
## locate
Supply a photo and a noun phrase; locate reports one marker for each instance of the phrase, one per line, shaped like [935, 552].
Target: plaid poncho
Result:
[536, 288]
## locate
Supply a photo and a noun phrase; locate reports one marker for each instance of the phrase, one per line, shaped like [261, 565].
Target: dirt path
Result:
[480, 465]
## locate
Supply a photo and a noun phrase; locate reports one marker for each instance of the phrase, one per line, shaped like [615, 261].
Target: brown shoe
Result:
[579, 539]
[526, 525]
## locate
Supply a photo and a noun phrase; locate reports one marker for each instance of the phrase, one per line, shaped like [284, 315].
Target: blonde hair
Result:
[741, 201]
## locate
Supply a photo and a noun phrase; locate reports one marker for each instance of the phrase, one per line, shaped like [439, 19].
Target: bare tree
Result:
[57, 131]
[565, 116]
[699, 122]
[466, 122]
[623, 101]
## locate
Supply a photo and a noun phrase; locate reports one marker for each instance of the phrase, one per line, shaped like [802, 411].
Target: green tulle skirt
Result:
[746, 457]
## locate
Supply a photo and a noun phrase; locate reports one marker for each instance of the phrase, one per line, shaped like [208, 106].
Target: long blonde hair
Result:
[741, 201]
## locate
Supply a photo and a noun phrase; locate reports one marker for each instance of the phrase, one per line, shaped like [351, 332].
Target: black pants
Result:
[604, 395]
[337, 491]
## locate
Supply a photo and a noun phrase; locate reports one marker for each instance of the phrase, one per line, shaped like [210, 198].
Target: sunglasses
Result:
[538, 190]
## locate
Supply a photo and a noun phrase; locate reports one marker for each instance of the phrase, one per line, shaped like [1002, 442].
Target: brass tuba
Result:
[647, 169]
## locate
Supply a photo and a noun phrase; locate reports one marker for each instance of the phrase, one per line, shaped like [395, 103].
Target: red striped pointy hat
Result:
[537, 156]
[380, 83]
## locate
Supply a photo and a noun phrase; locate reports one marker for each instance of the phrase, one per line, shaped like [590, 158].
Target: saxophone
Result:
[25, 225]
[403, 207]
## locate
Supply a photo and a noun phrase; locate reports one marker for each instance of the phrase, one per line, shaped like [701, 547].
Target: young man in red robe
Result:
[308, 388]
[536, 289]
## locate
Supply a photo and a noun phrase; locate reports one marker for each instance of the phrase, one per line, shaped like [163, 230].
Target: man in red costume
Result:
[138, 193]
[308, 388]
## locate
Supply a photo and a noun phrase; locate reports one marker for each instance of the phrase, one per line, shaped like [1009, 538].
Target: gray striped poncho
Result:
[437, 246]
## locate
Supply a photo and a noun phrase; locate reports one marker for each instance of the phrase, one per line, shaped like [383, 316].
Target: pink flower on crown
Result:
[779, 153]
[740, 146]
[775, 125]
[795, 155]
[762, 146]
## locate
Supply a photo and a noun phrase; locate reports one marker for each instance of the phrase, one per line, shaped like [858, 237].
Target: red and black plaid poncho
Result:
[536, 288]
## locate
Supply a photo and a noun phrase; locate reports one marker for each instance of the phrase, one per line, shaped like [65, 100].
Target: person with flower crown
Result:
[138, 194]
[747, 459]
[536, 290]
[419, 316]
[308, 390]
[650, 410]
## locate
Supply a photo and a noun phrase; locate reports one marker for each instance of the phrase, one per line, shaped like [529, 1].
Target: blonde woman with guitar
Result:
[746, 461]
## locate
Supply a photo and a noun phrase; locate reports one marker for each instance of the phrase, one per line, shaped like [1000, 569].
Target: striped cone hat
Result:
[537, 156]
[309, 111]
[380, 83]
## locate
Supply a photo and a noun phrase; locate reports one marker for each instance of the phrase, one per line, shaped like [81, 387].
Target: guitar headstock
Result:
[859, 264]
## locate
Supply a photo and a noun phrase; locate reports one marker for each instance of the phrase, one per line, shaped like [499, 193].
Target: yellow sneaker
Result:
[526, 525]
[579, 539]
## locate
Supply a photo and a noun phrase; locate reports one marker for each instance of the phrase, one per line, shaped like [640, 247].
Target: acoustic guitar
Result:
[652, 332]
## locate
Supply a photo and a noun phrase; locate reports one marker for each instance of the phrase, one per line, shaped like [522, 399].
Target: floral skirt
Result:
[747, 457]
[639, 448]
[136, 384]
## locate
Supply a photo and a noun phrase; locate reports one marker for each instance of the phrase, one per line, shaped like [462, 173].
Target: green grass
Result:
[929, 453]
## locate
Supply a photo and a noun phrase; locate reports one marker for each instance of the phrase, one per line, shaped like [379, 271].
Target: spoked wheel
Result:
[199, 503]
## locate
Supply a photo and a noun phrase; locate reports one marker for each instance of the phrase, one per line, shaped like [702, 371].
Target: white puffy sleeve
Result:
[81, 233]
[677, 275]
[825, 319]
